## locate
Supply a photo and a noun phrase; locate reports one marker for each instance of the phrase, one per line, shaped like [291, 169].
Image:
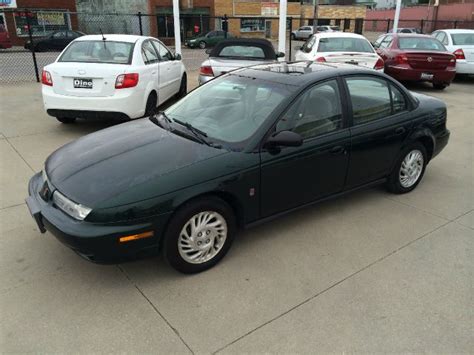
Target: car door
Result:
[59, 40]
[150, 73]
[380, 124]
[169, 69]
[292, 176]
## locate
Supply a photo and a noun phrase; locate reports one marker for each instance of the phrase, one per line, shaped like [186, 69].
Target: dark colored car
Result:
[412, 57]
[274, 138]
[210, 39]
[56, 41]
[406, 30]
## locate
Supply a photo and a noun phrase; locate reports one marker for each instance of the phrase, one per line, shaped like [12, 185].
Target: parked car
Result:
[208, 40]
[340, 47]
[5, 41]
[115, 76]
[236, 53]
[55, 41]
[248, 146]
[406, 30]
[304, 32]
[412, 57]
[461, 44]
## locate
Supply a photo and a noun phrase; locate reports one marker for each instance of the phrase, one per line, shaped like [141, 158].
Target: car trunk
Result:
[363, 59]
[421, 59]
[69, 77]
[222, 66]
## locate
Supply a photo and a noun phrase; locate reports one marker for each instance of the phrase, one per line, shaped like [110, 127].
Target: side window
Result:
[163, 52]
[308, 46]
[378, 41]
[370, 99]
[315, 112]
[443, 38]
[386, 42]
[58, 35]
[149, 53]
[211, 34]
[398, 100]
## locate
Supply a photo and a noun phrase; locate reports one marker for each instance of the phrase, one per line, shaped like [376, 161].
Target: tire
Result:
[398, 181]
[439, 86]
[292, 36]
[183, 87]
[202, 45]
[150, 107]
[180, 245]
[66, 120]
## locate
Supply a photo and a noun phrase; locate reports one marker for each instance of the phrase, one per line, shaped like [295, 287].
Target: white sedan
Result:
[116, 76]
[461, 44]
[340, 47]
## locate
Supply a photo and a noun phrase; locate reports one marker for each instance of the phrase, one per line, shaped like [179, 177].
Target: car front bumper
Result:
[95, 242]
[404, 73]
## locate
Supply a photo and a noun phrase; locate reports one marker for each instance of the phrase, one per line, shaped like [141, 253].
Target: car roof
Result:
[339, 34]
[411, 35]
[300, 73]
[458, 30]
[112, 37]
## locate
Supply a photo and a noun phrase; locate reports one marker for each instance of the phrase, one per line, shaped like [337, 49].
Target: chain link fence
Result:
[19, 64]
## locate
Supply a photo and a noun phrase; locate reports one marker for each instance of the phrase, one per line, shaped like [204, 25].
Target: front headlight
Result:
[73, 209]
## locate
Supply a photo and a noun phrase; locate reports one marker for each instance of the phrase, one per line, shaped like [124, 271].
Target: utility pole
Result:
[282, 27]
[177, 29]
[315, 17]
[397, 16]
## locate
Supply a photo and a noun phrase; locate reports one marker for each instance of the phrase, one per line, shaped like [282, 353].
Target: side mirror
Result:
[284, 139]
[280, 55]
[177, 56]
[208, 51]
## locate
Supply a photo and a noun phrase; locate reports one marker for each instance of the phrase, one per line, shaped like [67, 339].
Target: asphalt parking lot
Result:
[369, 272]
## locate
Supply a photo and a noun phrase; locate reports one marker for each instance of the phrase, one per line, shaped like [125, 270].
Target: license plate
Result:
[81, 83]
[426, 76]
[35, 213]
[353, 62]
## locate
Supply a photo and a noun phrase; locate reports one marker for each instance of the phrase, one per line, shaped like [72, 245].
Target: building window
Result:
[42, 23]
[252, 25]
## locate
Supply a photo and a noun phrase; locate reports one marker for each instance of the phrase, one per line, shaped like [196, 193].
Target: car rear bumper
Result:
[5, 44]
[464, 67]
[441, 140]
[95, 242]
[202, 79]
[404, 73]
[128, 103]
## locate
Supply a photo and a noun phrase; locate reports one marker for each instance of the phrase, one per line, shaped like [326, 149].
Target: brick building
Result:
[45, 16]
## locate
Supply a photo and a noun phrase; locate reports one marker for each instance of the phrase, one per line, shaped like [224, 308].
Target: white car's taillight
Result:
[379, 65]
[46, 78]
[126, 81]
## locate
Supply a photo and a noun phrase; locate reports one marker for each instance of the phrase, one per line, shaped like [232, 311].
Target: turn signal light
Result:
[320, 59]
[129, 238]
[46, 78]
[401, 59]
[459, 54]
[379, 65]
[206, 70]
[126, 81]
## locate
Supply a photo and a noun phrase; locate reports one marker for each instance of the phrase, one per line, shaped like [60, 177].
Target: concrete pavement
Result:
[369, 272]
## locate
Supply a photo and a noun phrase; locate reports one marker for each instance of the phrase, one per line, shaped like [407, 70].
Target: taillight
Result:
[320, 59]
[379, 65]
[46, 78]
[401, 59]
[452, 62]
[126, 81]
[206, 70]
[459, 54]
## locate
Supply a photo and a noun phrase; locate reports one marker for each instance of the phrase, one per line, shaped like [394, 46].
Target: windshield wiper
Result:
[196, 131]
[159, 120]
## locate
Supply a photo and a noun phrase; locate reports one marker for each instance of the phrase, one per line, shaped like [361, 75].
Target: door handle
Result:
[338, 149]
[400, 130]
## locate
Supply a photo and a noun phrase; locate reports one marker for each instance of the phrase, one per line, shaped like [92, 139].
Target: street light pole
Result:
[282, 27]
[397, 16]
[315, 16]
[177, 30]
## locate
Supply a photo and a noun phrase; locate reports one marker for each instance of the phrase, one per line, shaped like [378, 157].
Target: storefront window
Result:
[252, 25]
[42, 23]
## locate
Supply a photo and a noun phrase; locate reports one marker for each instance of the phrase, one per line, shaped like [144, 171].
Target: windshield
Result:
[344, 44]
[230, 109]
[463, 39]
[422, 43]
[98, 52]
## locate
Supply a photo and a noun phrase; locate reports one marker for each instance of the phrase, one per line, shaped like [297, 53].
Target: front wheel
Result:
[202, 44]
[66, 120]
[199, 235]
[150, 107]
[409, 169]
[182, 87]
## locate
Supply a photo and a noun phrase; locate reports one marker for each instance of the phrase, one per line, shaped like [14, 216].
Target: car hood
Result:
[103, 165]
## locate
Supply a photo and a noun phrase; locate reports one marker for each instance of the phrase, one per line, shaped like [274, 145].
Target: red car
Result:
[414, 57]
[5, 41]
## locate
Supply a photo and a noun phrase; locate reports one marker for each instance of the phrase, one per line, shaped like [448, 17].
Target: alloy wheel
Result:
[411, 168]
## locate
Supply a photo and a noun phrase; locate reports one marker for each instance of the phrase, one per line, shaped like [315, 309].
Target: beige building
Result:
[258, 18]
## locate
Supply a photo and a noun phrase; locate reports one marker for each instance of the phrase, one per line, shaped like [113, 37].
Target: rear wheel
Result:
[183, 88]
[409, 169]
[66, 120]
[202, 44]
[292, 36]
[199, 235]
[438, 86]
[150, 107]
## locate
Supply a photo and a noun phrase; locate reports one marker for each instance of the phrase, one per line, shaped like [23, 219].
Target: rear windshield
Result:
[430, 44]
[250, 52]
[344, 44]
[463, 38]
[98, 52]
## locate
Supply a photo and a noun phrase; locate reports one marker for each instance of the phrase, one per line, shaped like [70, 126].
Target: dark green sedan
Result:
[209, 39]
[241, 149]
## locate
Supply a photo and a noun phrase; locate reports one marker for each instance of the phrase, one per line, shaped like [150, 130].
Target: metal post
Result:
[225, 25]
[140, 22]
[397, 16]
[456, 24]
[388, 25]
[177, 31]
[28, 23]
[282, 27]
[290, 43]
[422, 25]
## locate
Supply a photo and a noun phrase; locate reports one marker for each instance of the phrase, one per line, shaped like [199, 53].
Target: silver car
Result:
[236, 53]
[305, 32]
